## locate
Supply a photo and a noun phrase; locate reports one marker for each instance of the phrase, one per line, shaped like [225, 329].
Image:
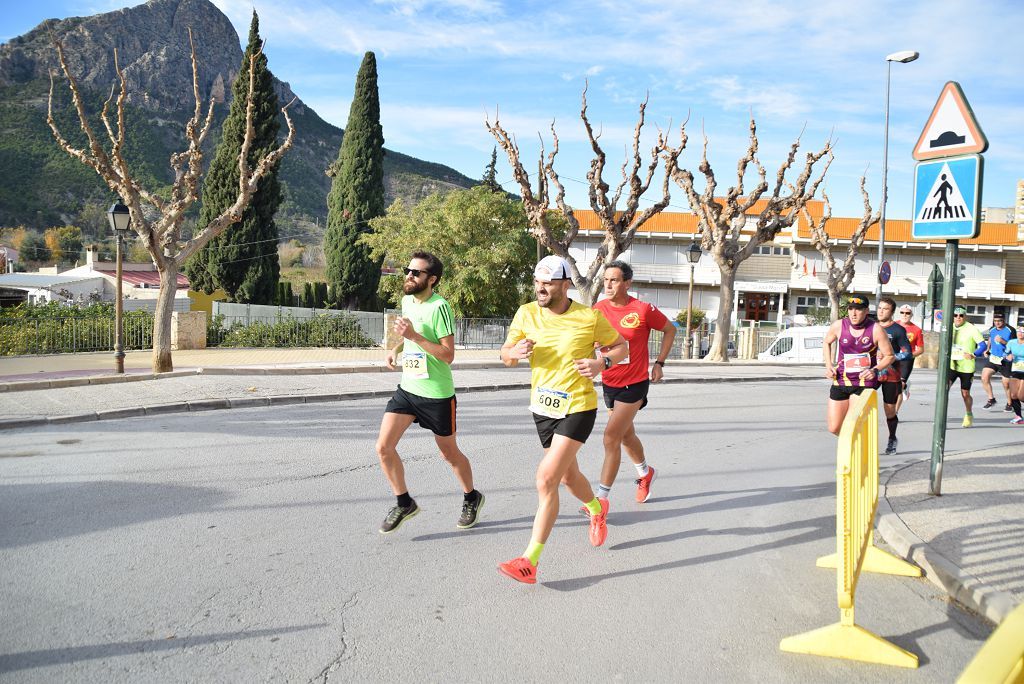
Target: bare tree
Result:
[162, 235]
[620, 225]
[722, 220]
[839, 276]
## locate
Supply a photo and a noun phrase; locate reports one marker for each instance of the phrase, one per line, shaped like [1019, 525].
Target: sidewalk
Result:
[970, 541]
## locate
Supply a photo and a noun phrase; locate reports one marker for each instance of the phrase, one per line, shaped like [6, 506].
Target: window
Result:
[781, 346]
[807, 305]
[772, 250]
[813, 342]
[976, 314]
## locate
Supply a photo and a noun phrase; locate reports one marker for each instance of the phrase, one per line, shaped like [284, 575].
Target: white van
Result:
[796, 345]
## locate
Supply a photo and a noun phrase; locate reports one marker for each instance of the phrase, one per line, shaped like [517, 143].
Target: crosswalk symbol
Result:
[947, 193]
[945, 201]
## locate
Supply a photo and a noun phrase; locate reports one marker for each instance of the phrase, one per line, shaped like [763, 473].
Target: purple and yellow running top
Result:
[857, 353]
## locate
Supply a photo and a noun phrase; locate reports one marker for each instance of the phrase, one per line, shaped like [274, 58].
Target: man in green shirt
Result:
[966, 339]
[426, 394]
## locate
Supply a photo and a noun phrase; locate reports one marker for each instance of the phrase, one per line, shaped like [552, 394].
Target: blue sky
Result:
[818, 67]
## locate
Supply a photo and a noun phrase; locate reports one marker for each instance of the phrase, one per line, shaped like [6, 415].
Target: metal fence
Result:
[71, 334]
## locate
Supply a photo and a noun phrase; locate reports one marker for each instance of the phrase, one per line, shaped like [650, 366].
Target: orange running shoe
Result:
[519, 569]
[598, 524]
[643, 486]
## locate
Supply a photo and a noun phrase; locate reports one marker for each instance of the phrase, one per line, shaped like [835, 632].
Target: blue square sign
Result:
[947, 197]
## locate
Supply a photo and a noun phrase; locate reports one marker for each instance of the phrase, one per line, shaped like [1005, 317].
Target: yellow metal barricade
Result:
[1001, 659]
[856, 504]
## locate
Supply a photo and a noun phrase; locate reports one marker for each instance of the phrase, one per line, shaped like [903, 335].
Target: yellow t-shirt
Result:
[560, 340]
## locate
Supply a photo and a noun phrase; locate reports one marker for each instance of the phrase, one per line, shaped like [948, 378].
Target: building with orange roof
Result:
[783, 282]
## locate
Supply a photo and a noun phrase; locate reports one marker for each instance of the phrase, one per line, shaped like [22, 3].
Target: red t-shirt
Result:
[634, 321]
[915, 336]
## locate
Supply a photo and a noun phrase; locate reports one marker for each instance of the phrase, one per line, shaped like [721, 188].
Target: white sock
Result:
[641, 468]
[603, 492]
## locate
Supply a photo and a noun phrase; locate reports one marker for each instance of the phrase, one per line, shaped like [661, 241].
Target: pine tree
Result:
[357, 195]
[242, 260]
[490, 179]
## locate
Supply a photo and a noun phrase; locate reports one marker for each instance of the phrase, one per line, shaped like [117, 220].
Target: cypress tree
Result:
[490, 178]
[243, 259]
[357, 195]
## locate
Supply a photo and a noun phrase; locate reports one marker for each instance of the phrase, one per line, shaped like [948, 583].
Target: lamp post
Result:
[903, 58]
[119, 222]
[693, 255]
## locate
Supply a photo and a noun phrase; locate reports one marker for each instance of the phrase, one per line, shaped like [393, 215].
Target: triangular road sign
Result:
[945, 202]
[952, 129]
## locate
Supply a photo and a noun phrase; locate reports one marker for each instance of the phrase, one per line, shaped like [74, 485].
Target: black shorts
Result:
[436, 415]
[844, 392]
[1004, 368]
[1018, 375]
[906, 368]
[965, 379]
[891, 391]
[628, 394]
[577, 426]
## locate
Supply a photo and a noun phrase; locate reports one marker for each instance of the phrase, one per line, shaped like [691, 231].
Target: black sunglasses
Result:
[958, 315]
[415, 272]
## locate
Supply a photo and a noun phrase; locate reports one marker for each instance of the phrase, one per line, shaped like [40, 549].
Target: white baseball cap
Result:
[551, 268]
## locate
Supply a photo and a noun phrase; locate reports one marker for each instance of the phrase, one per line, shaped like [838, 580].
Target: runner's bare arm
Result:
[392, 355]
[614, 352]
[885, 355]
[511, 353]
[826, 348]
[442, 350]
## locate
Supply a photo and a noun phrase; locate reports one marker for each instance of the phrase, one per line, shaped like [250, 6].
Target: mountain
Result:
[42, 186]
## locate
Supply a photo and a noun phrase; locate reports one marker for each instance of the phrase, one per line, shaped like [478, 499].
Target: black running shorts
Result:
[844, 392]
[628, 394]
[577, 426]
[891, 391]
[965, 379]
[436, 415]
[1004, 368]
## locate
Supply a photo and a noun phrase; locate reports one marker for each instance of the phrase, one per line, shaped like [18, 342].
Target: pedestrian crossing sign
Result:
[947, 194]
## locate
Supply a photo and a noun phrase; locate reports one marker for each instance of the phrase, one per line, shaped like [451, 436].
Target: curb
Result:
[285, 399]
[961, 586]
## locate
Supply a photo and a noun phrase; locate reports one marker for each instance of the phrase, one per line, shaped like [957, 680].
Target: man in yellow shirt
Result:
[557, 335]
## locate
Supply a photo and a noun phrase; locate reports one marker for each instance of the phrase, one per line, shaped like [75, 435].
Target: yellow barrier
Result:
[856, 504]
[1001, 659]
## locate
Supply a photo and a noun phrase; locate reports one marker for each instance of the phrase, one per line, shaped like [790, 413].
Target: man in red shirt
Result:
[916, 337]
[626, 383]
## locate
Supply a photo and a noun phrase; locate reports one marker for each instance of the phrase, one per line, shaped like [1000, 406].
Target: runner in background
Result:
[1015, 354]
[916, 337]
[891, 378]
[626, 383]
[967, 342]
[998, 336]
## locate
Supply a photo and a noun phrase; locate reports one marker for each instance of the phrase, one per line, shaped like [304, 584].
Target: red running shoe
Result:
[519, 569]
[598, 524]
[643, 486]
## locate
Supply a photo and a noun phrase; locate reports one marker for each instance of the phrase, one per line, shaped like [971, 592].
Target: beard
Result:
[411, 287]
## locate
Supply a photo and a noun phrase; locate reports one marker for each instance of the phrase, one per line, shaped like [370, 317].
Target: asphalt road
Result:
[242, 545]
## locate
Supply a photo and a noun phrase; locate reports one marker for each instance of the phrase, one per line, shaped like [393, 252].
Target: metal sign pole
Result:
[942, 387]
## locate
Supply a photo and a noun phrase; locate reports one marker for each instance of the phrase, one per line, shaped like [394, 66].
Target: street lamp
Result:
[693, 254]
[119, 221]
[903, 58]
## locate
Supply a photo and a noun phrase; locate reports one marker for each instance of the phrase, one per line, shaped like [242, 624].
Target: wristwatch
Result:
[607, 363]
[659, 363]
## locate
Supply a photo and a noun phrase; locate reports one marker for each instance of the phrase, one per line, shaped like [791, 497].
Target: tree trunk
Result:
[723, 327]
[833, 304]
[162, 319]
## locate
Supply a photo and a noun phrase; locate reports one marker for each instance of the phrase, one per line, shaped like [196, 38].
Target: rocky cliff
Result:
[152, 45]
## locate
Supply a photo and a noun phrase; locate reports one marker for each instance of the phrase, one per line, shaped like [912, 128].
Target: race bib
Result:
[414, 365]
[856, 363]
[958, 352]
[1018, 366]
[995, 359]
[550, 402]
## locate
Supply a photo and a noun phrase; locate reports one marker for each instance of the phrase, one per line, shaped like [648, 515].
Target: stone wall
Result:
[188, 330]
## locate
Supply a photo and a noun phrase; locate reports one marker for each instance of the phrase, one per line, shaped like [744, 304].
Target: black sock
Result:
[1015, 403]
[892, 423]
[472, 496]
[404, 500]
